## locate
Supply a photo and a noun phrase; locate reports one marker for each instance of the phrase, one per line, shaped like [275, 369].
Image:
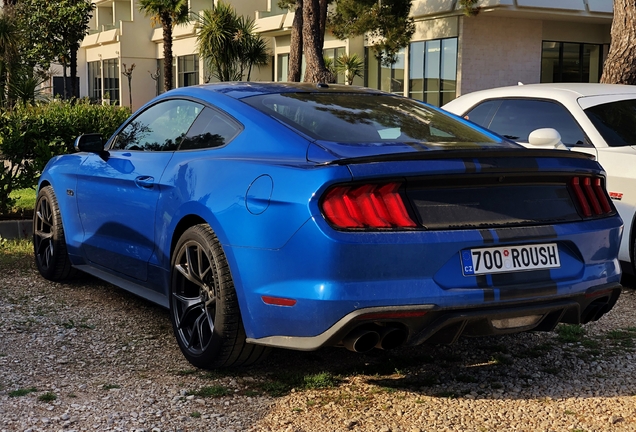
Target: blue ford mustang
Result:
[303, 216]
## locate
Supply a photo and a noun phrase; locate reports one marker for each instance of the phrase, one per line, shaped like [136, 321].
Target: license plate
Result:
[510, 259]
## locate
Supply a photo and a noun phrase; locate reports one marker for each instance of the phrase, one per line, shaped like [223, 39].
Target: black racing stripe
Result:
[482, 281]
[489, 295]
[470, 166]
[512, 164]
[525, 233]
[518, 285]
[536, 291]
[487, 236]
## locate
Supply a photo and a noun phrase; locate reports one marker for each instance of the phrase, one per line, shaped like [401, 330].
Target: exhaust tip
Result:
[391, 337]
[361, 340]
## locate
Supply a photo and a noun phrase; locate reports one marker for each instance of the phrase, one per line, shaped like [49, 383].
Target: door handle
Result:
[145, 182]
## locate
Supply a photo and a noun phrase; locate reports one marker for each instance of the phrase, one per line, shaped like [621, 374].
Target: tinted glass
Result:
[615, 121]
[159, 128]
[211, 129]
[517, 118]
[364, 118]
[482, 113]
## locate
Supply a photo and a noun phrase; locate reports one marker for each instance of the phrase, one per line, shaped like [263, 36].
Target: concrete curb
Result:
[16, 229]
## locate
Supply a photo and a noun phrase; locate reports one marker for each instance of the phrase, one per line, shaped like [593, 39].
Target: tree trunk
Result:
[64, 90]
[296, 46]
[316, 70]
[166, 22]
[323, 21]
[620, 65]
[74, 89]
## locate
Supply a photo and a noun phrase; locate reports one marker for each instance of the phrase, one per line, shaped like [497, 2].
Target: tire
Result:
[49, 244]
[633, 251]
[204, 308]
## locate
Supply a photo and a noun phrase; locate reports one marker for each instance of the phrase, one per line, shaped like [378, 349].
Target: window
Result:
[58, 87]
[211, 129]
[332, 54]
[571, 62]
[160, 81]
[188, 70]
[282, 74]
[433, 71]
[389, 78]
[111, 79]
[159, 128]
[615, 122]
[95, 80]
[283, 68]
[359, 119]
[517, 118]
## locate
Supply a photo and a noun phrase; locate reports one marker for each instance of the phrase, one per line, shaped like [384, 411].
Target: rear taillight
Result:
[372, 206]
[591, 197]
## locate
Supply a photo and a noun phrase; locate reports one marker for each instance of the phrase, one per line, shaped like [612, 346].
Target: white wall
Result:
[495, 52]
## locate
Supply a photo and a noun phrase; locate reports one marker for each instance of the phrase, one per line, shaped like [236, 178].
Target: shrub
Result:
[30, 135]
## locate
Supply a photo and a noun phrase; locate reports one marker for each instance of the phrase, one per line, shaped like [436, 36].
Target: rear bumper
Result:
[432, 324]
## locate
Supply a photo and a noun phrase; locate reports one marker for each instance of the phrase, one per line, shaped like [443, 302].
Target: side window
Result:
[517, 118]
[161, 127]
[211, 129]
[482, 113]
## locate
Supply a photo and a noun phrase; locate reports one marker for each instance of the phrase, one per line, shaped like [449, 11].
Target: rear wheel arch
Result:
[632, 244]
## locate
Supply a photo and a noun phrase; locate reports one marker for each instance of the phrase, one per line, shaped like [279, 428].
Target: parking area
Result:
[89, 356]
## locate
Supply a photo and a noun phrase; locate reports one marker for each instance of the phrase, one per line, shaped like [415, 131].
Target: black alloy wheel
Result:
[203, 305]
[49, 244]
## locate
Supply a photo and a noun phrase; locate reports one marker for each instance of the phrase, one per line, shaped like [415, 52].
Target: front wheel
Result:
[203, 306]
[49, 244]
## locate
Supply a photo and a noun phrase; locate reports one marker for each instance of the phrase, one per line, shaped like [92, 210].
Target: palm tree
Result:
[169, 13]
[228, 43]
[216, 41]
[253, 50]
[351, 65]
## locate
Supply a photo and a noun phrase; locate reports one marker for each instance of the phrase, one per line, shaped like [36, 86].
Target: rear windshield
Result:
[615, 121]
[364, 118]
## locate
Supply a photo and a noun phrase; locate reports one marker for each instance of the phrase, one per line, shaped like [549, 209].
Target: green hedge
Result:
[30, 135]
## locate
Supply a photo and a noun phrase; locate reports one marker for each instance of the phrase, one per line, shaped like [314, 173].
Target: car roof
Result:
[239, 90]
[551, 90]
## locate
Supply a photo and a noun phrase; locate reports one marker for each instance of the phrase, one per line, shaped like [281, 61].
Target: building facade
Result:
[507, 42]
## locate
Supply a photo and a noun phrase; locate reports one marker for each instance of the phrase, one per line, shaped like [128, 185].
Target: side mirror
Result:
[92, 143]
[546, 138]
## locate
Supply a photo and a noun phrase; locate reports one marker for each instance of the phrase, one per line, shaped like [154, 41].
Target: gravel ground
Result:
[88, 356]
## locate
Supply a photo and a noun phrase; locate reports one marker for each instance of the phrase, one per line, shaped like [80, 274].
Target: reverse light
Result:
[372, 206]
[590, 196]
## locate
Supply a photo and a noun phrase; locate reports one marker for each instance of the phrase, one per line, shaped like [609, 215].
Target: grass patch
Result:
[281, 384]
[195, 414]
[16, 254]
[319, 381]
[110, 386]
[621, 338]
[211, 391]
[186, 372]
[24, 203]
[501, 359]
[570, 333]
[47, 397]
[22, 392]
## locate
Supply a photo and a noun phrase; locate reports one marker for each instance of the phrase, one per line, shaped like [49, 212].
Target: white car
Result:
[598, 119]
